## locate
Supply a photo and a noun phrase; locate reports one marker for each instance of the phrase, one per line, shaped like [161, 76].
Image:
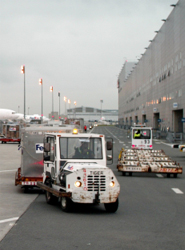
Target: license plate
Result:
[137, 169]
[29, 183]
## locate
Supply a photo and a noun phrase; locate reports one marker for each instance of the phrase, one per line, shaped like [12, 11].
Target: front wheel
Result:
[112, 207]
[50, 198]
[66, 204]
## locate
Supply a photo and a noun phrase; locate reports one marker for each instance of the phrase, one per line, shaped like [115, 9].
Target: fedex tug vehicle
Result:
[143, 158]
[32, 167]
[75, 170]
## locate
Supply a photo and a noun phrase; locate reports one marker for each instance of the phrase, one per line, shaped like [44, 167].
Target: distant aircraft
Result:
[37, 117]
[31, 117]
[8, 114]
[102, 121]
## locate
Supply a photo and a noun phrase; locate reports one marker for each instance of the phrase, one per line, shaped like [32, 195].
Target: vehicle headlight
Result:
[78, 184]
[112, 183]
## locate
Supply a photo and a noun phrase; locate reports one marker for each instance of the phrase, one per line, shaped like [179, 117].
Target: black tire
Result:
[66, 204]
[50, 198]
[168, 175]
[130, 173]
[26, 190]
[175, 175]
[123, 173]
[111, 207]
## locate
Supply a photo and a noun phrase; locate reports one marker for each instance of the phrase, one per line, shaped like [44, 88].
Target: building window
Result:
[78, 110]
[180, 92]
[183, 62]
[179, 65]
[90, 110]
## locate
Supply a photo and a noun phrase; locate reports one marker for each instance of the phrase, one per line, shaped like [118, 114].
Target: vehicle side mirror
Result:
[46, 158]
[46, 147]
[109, 145]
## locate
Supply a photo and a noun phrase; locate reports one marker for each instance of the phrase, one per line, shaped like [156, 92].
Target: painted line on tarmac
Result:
[177, 191]
[8, 220]
[168, 144]
[3, 171]
[161, 142]
[159, 175]
[114, 136]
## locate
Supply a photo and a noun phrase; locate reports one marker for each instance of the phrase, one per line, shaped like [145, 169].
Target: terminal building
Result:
[152, 90]
[89, 114]
[93, 114]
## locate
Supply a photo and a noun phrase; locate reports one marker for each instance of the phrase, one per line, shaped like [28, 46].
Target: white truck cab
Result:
[75, 170]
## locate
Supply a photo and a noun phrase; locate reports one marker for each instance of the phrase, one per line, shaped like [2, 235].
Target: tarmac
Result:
[13, 201]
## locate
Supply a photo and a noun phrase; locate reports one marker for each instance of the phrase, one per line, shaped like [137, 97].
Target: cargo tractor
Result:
[142, 158]
[75, 170]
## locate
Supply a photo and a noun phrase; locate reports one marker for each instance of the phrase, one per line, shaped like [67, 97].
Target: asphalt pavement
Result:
[151, 211]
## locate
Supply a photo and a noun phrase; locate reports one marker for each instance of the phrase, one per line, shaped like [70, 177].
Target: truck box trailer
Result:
[31, 167]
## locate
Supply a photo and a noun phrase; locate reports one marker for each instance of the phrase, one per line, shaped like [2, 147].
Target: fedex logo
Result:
[39, 147]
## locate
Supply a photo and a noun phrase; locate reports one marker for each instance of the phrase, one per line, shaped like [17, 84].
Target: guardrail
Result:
[173, 136]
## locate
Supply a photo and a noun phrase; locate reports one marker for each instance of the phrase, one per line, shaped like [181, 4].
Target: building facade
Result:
[92, 114]
[154, 90]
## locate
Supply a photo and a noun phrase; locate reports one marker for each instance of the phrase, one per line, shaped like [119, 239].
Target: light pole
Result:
[65, 100]
[41, 84]
[59, 106]
[101, 101]
[23, 72]
[51, 90]
[69, 102]
[75, 108]
[28, 110]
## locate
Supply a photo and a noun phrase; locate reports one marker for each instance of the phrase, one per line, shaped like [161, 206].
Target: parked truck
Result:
[75, 170]
[143, 158]
[10, 133]
[31, 167]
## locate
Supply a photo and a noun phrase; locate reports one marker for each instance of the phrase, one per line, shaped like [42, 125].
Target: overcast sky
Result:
[76, 46]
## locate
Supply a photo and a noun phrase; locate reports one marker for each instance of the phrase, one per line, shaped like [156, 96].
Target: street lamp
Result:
[69, 102]
[59, 106]
[51, 90]
[101, 101]
[23, 72]
[65, 100]
[41, 84]
[75, 108]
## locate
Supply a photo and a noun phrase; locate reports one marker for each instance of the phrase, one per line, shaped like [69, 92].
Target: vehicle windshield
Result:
[80, 148]
[141, 133]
